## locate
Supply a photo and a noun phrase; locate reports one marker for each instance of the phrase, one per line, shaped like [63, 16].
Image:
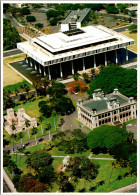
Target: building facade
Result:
[59, 53]
[111, 109]
[74, 19]
[18, 120]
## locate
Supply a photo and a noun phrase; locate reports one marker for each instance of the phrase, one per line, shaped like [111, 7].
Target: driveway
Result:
[133, 128]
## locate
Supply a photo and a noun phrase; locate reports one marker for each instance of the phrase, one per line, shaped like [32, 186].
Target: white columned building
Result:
[112, 109]
[61, 47]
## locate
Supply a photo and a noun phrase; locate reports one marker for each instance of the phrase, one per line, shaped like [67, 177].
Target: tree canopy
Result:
[112, 77]
[82, 167]
[106, 136]
[39, 159]
[112, 10]
[10, 35]
[30, 18]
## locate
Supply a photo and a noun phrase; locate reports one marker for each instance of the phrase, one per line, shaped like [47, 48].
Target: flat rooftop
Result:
[61, 41]
[76, 16]
[61, 45]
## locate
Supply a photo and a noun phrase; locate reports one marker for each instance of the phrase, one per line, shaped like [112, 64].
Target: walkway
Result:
[129, 65]
[130, 188]
[8, 181]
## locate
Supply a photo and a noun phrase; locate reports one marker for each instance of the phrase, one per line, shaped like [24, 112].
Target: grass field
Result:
[132, 36]
[10, 77]
[100, 184]
[17, 86]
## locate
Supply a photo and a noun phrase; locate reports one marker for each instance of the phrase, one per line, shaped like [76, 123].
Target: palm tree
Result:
[27, 123]
[34, 132]
[113, 166]
[41, 119]
[16, 91]
[75, 77]
[20, 135]
[54, 114]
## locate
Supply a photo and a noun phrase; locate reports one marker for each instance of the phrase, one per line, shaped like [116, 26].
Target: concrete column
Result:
[105, 60]
[72, 67]
[35, 65]
[31, 64]
[49, 73]
[26, 60]
[61, 73]
[83, 64]
[44, 72]
[126, 55]
[39, 68]
[116, 57]
[94, 61]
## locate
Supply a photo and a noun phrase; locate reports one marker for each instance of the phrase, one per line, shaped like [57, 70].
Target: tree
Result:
[28, 183]
[54, 21]
[47, 174]
[27, 123]
[123, 150]
[106, 136]
[62, 121]
[34, 132]
[41, 119]
[133, 162]
[5, 141]
[132, 28]
[64, 184]
[85, 77]
[16, 91]
[75, 77]
[112, 77]
[39, 159]
[10, 35]
[112, 10]
[5, 7]
[21, 135]
[52, 13]
[39, 25]
[82, 167]
[25, 11]
[6, 159]
[15, 180]
[30, 18]
[13, 10]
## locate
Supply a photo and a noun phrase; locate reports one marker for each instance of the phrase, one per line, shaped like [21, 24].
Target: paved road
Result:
[31, 142]
[13, 21]
[11, 52]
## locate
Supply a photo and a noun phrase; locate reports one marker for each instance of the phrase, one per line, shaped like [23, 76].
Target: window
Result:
[105, 115]
[109, 114]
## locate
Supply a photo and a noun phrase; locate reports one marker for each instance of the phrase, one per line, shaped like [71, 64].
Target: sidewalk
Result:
[125, 189]
[8, 181]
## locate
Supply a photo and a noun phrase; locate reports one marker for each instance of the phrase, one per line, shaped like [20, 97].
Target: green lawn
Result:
[32, 109]
[56, 152]
[101, 155]
[131, 121]
[104, 176]
[81, 124]
[17, 86]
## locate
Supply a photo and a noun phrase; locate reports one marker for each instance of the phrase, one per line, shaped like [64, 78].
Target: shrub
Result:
[132, 28]
[54, 21]
[30, 19]
[77, 86]
[25, 11]
[39, 25]
[112, 10]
